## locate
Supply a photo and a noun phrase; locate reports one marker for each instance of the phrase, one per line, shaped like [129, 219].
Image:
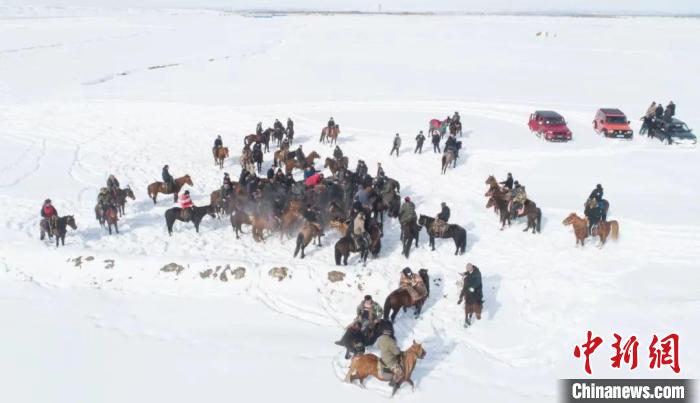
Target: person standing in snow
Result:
[420, 138]
[435, 138]
[396, 145]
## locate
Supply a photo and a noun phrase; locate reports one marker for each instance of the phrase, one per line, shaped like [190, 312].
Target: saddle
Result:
[185, 214]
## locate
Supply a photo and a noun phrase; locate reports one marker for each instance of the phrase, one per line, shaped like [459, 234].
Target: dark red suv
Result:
[612, 123]
[549, 125]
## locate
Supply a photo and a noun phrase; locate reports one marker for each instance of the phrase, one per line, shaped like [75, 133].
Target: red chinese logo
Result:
[588, 348]
[667, 354]
[627, 353]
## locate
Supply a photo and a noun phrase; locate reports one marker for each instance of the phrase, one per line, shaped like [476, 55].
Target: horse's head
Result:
[225, 152]
[70, 221]
[314, 155]
[328, 162]
[129, 193]
[490, 180]
[188, 180]
[211, 211]
[417, 349]
[569, 219]
[490, 202]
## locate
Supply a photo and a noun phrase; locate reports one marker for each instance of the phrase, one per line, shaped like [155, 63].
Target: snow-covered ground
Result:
[87, 93]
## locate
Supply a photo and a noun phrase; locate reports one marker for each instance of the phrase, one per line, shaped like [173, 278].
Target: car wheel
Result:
[605, 132]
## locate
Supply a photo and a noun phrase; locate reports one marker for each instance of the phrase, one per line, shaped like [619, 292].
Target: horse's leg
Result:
[432, 242]
[116, 227]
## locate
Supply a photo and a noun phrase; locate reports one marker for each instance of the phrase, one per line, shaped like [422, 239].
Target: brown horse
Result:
[330, 135]
[334, 165]
[281, 156]
[111, 218]
[262, 223]
[308, 233]
[290, 217]
[238, 218]
[263, 139]
[534, 216]
[365, 365]
[401, 298]
[289, 165]
[120, 201]
[220, 154]
[604, 229]
[447, 159]
[160, 187]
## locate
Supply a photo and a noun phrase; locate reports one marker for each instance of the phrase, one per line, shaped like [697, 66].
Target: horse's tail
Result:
[539, 219]
[615, 230]
[387, 307]
[300, 241]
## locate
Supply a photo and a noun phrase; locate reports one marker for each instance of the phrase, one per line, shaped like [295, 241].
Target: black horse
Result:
[345, 245]
[409, 232]
[62, 224]
[196, 215]
[454, 231]
[355, 341]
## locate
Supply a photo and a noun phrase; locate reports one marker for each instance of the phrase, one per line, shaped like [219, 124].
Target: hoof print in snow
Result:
[239, 273]
[78, 261]
[172, 267]
[206, 273]
[89, 259]
[224, 277]
[280, 273]
[335, 276]
[109, 263]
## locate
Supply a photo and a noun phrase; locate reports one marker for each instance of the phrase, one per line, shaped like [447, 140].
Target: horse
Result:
[330, 134]
[375, 238]
[440, 125]
[262, 223]
[501, 206]
[290, 135]
[257, 159]
[59, 231]
[448, 158]
[365, 365]
[335, 165]
[289, 165]
[237, 220]
[281, 156]
[196, 215]
[604, 229]
[290, 217]
[160, 187]
[454, 231]
[111, 217]
[308, 233]
[355, 341]
[120, 201]
[456, 127]
[246, 159]
[401, 298]
[409, 232]
[220, 154]
[263, 138]
[278, 134]
[534, 216]
[344, 246]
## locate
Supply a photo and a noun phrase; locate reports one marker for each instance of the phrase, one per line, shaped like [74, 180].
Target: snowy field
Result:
[89, 92]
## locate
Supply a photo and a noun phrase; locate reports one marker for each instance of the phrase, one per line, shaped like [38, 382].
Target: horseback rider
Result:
[312, 215]
[218, 143]
[420, 138]
[413, 284]
[361, 169]
[258, 129]
[519, 196]
[407, 212]
[396, 145]
[331, 123]
[369, 313]
[508, 183]
[380, 171]
[390, 356]
[290, 126]
[313, 180]
[435, 139]
[440, 223]
[308, 172]
[358, 231]
[456, 117]
[337, 153]
[49, 214]
[299, 154]
[186, 205]
[597, 193]
[113, 186]
[362, 195]
[226, 187]
[472, 287]
[104, 202]
[451, 144]
[243, 177]
[278, 126]
[168, 179]
[594, 213]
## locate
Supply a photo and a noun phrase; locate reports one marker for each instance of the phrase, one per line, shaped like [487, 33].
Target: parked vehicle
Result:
[673, 131]
[550, 126]
[613, 123]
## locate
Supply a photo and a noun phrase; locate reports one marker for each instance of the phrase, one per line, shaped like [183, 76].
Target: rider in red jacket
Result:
[185, 201]
[313, 180]
[49, 213]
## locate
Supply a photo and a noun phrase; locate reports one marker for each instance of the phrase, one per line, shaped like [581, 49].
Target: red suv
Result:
[549, 125]
[612, 123]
